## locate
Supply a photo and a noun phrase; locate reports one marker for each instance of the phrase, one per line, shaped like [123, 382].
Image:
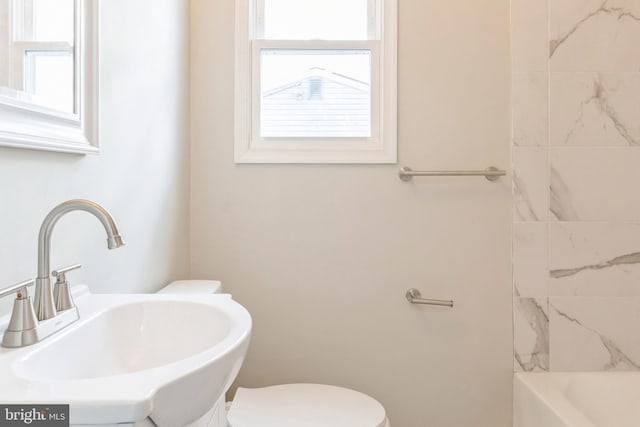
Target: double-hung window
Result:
[315, 81]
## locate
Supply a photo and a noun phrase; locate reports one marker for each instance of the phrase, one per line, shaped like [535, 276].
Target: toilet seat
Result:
[308, 405]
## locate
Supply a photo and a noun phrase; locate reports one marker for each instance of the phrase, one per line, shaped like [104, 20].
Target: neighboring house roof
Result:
[320, 103]
[316, 72]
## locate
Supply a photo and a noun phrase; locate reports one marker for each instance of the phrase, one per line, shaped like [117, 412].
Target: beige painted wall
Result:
[322, 255]
[141, 174]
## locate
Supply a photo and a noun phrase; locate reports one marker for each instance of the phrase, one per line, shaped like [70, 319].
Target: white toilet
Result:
[304, 405]
[293, 405]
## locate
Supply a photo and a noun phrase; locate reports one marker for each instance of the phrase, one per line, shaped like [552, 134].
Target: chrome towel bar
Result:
[491, 173]
[414, 297]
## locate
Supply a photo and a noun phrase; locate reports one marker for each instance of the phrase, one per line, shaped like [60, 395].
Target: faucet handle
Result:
[23, 317]
[61, 292]
[19, 288]
[59, 273]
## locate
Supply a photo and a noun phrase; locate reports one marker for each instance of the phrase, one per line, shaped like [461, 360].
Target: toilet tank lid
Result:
[192, 287]
[308, 405]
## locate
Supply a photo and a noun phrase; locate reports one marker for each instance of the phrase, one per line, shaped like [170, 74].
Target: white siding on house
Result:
[317, 106]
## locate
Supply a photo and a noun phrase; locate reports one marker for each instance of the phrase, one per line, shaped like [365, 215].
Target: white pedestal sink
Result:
[130, 357]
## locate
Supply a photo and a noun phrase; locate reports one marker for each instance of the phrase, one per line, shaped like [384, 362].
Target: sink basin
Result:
[129, 338]
[132, 356]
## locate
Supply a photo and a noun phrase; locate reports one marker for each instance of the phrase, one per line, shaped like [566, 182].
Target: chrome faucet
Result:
[44, 304]
[31, 323]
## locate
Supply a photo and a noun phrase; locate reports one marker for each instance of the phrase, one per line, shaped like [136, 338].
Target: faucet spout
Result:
[44, 305]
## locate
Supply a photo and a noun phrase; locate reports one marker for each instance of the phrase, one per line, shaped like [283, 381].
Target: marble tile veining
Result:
[594, 35]
[530, 184]
[594, 259]
[628, 259]
[531, 332]
[595, 109]
[560, 198]
[595, 184]
[576, 184]
[530, 259]
[586, 334]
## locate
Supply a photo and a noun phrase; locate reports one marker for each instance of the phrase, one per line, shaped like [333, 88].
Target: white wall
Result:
[141, 174]
[322, 255]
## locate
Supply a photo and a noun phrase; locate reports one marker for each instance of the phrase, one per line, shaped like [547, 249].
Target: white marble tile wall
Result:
[531, 185]
[576, 169]
[595, 184]
[596, 259]
[595, 109]
[529, 39]
[531, 334]
[594, 35]
[530, 259]
[594, 333]
[530, 109]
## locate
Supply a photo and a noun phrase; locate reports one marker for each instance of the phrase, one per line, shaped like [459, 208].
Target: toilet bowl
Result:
[292, 405]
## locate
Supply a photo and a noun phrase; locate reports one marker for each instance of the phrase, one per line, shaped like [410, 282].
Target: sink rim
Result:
[127, 397]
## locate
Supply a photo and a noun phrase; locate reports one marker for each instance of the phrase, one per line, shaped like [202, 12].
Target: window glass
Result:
[315, 93]
[315, 19]
[54, 20]
[49, 79]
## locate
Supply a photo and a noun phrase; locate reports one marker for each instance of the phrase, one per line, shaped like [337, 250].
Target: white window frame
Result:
[24, 124]
[380, 147]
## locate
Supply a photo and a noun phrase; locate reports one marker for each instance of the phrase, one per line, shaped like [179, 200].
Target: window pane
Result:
[315, 93]
[49, 79]
[54, 20]
[315, 19]
[44, 20]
